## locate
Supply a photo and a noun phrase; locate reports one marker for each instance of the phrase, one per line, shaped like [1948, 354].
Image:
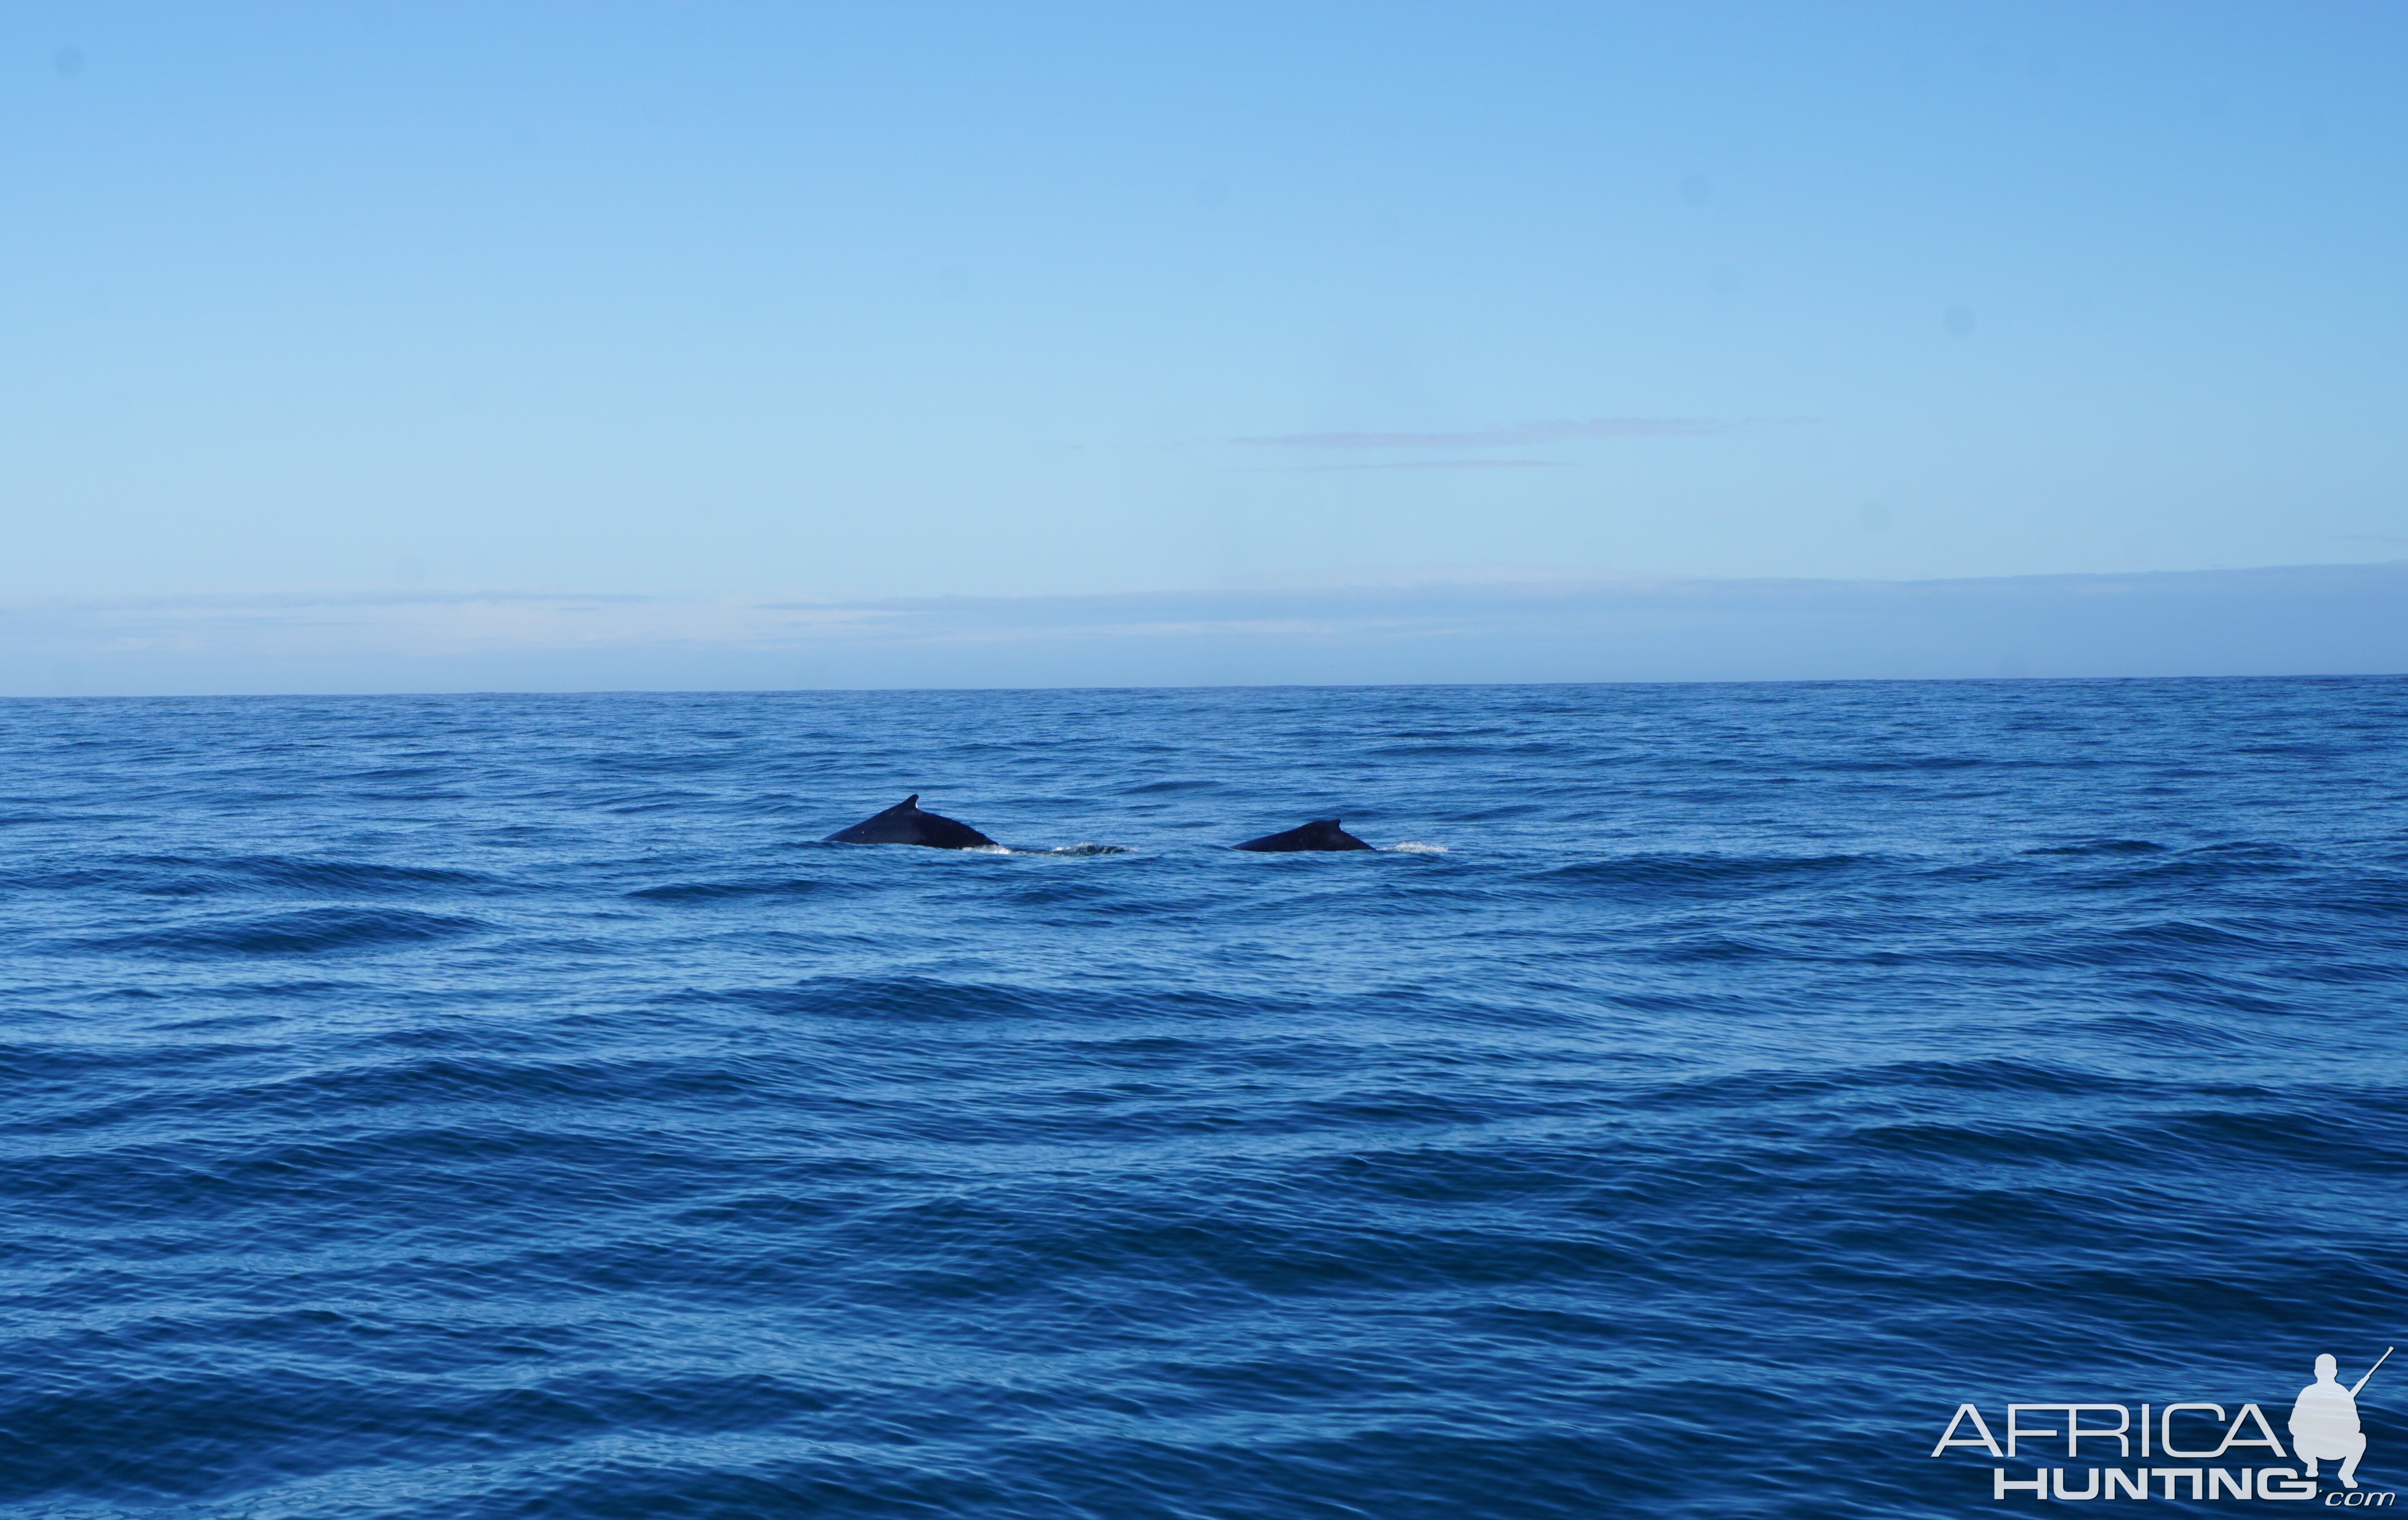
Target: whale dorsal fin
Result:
[911, 801]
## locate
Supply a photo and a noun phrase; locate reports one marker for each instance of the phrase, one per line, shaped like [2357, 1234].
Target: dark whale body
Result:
[1321, 833]
[904, 823]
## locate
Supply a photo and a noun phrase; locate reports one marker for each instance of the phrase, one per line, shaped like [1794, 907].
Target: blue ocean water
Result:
[489, 1106]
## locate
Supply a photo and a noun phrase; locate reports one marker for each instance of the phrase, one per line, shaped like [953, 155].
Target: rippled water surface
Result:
[471, 1106]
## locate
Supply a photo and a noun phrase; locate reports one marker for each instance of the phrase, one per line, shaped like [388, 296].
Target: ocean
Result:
[470, 1107]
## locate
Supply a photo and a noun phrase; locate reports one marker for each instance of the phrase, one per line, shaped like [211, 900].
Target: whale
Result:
[1321, 833]
[904, 823]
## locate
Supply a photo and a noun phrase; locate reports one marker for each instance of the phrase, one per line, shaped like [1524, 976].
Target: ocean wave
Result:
[2100, 847]
[1705, 875]
[310, 932]
[481, 1120]
[697, 892]
[191, 876]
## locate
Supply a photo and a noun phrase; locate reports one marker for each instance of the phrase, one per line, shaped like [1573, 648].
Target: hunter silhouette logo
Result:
[2324, 1422]
[2324, 1428]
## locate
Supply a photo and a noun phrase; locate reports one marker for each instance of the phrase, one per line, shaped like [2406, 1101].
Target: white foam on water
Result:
[1081, 848]
[1415, 847]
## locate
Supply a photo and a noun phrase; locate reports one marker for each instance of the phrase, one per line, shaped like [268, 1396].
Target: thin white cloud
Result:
[1521, 435]
[1445, 464]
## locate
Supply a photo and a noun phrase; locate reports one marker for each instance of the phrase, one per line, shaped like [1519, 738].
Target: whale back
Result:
[904, 823]
[1321, 833]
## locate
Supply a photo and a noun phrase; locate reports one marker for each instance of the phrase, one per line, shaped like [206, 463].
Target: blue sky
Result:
[721, 300]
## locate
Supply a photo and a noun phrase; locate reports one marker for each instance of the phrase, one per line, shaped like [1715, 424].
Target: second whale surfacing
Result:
[1321, 833]
[904, 823]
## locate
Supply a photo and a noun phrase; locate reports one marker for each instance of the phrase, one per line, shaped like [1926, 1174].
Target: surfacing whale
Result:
[904, 823]
[1321, 833]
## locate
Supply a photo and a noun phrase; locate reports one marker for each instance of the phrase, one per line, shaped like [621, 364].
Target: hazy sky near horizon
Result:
[713, 298]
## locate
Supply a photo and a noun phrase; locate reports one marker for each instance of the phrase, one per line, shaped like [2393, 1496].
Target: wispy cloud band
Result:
[1438, 464]
[1521, 435]
[2350, 619]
